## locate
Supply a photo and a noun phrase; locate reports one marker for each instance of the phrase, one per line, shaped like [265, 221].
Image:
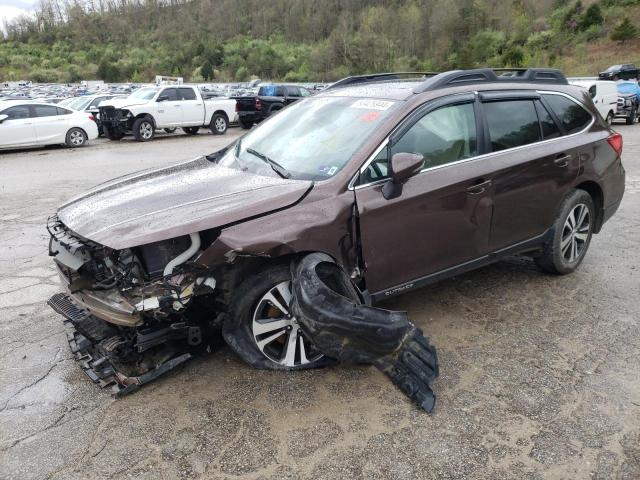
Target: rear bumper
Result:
[253, 117]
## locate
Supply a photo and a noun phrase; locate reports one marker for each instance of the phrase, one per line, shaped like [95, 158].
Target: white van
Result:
[604, 94]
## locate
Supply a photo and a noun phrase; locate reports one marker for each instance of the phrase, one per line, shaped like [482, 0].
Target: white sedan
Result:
[28, 124]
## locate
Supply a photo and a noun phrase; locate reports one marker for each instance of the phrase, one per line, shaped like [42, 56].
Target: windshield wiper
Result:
[275, 166]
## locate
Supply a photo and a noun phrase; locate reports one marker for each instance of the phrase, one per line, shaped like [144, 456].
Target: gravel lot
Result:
[540, 375]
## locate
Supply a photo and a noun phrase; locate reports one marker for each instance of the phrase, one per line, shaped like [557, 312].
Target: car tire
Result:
[191, 130]
[143, 129]
[219, 124]
[261, 342]
[570, 234]
[110, 135]
[631, 119]
[170, 130]
[245, 124]
[76, 137]
[610, 117]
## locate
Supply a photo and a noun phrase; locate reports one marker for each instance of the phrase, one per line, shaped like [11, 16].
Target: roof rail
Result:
[379, 77]
[491, 75]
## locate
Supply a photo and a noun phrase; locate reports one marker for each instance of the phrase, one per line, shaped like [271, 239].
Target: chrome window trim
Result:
[361, 170]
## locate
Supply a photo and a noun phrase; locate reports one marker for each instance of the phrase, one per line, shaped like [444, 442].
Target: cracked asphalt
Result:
[540, 375]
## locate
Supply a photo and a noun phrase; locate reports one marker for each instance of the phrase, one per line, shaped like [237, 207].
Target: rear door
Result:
[169, 108]
[442, 217]
[192, 107]
[50, 127]
[535, 163]
[18, 129]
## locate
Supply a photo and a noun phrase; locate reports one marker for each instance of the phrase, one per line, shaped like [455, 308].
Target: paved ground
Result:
[540, 374]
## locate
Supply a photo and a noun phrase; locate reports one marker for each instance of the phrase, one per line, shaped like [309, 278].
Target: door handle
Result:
[479, 188]
[562, 160]
[177, 106]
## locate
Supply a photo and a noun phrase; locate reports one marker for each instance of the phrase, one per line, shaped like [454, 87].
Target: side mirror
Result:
[403, 167]
[3, 118]
[162, 98]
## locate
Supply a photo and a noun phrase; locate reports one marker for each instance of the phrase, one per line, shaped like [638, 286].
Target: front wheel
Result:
[572, 231]
[245, 124]
[111, 135]
[219, 124]
[143, 130]
[261, 329]
[76, 138]
[631, 119]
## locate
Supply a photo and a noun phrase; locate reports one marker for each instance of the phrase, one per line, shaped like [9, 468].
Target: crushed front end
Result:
[117, 121]
[128, 310]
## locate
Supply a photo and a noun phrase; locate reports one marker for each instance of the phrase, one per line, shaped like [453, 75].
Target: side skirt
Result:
[488, 259]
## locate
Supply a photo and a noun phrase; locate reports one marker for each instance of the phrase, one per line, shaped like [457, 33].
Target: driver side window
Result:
[442, 136]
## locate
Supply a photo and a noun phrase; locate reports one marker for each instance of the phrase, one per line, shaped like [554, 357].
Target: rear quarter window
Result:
[572, 116]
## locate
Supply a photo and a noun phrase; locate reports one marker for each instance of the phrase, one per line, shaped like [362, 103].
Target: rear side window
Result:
[19, 111]
[187, 93]
[549, 127]
[45, 110]
[572, 116]
[512, 123]
[62, 111]
[271, 91]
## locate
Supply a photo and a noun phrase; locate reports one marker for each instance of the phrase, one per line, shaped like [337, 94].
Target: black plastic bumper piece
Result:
[84, 332]
[331, 314]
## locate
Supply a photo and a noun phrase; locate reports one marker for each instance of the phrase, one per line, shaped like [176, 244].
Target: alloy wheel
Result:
[276, 331]
[77, 138]
[220, 124]
[575, 233]
[146, 130]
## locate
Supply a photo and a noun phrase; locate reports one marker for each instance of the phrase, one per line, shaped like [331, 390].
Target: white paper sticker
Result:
[372, 104]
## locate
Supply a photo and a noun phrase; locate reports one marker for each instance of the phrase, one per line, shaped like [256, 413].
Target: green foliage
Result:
[624, 31]
[298, 40]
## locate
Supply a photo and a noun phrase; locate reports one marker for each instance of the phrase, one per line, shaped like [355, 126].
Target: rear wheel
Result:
[261, 328]
[610, 118]
[143, 129]
[572, 231]
[76, 138]
[191, 130]
[219, 124]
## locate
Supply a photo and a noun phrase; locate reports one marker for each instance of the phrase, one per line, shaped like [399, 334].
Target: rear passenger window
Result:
[572, 116]
[45, 110]
[62, 111]
[187, 93]
[549, 127]
[512, 123]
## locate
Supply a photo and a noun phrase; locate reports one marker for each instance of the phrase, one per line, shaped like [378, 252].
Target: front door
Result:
[18, 129]
[441, 218]
[169, 111]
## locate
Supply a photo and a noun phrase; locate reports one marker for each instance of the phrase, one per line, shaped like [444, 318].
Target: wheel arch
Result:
[145, 115]
[597, 195]
[221, 112]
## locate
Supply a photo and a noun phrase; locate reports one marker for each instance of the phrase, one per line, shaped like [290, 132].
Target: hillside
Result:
[304, 40]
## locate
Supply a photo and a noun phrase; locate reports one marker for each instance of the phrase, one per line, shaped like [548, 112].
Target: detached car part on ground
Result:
[368, 191]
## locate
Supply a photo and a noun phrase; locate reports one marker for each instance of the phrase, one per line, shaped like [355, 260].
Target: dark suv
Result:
[400, 182]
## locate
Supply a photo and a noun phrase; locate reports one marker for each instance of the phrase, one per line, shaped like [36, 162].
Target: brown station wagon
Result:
[402, 182]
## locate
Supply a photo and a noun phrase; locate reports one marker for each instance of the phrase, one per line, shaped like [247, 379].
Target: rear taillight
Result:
[615, 141]
[237, 106]
[91, 117]
[258, 104]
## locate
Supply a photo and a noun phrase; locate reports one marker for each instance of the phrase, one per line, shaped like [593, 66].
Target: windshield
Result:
[313, 139]
[613, 68]
[79, 103]
[144, 93]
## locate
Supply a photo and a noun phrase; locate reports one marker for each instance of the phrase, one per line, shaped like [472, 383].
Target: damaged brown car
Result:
[395, 183]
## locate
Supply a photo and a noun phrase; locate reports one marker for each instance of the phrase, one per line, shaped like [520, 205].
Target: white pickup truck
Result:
[167, 107]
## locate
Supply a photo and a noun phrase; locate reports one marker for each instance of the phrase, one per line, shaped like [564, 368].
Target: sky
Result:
[12, 8]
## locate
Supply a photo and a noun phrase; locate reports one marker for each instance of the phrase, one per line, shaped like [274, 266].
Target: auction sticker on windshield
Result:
[372, 104]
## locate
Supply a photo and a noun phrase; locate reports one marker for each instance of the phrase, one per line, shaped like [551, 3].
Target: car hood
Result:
[164, 203]
[123, 102]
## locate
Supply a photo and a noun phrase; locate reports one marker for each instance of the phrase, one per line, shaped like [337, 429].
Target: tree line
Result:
[296, 40]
